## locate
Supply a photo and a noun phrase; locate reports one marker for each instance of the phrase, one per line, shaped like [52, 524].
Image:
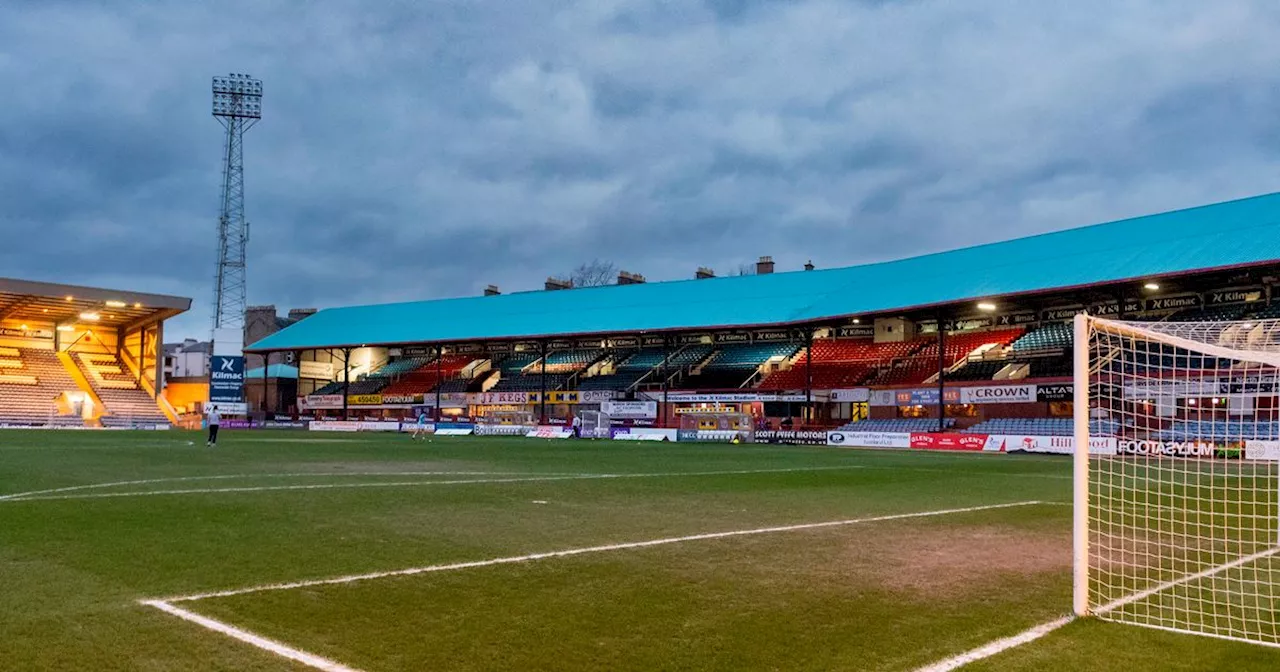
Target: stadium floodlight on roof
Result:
[237, 105]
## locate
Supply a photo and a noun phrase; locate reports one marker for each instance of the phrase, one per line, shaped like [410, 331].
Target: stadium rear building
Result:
[75, 356]
[975, 336]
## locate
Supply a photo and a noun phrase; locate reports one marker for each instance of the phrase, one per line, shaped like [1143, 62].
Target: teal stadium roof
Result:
[1225, 235]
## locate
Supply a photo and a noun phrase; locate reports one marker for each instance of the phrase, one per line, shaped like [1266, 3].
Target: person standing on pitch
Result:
[420, 430]
[215, 418]
[577, 427]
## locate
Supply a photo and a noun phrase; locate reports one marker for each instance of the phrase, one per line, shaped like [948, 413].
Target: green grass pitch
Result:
[278, 507]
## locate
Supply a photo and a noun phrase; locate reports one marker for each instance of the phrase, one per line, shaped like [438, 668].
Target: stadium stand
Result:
[1186, 430]
[896, 425]
[568, 361]
[1039, 427]
[419, 375]
[1054, 336]
[125, 402]
[978, 370]
[733, 366]
[30, 382]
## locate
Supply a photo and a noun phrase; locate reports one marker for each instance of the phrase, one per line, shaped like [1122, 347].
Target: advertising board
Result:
[321, 401]
[1054, 445]
[629, 409]
[333, 426]
[549, 432]
[793, 437]
[869, 439]
[998, 394]
[316, 370]
[859, 394]
[949, 441]
[1256, 449]
[226, 380]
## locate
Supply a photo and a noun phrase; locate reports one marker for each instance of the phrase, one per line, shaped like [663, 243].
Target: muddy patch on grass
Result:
[956, 560]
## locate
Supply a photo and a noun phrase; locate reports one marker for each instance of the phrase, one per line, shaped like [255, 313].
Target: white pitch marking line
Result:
[175, 479]
[997, 646]
[582, 551]
[1032, 634]
[1137, 597]
[390, 484]
[282, 650]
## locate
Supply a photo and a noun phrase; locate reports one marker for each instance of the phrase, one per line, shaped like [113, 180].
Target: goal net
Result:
[718, 426]
[505, 423]
[1177, 485]
[595, 425]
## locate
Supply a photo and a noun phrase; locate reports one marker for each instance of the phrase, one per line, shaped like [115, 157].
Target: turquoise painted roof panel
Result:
[1235, 233]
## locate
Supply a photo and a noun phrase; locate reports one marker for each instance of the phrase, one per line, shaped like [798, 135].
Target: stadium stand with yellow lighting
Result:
[75, 356]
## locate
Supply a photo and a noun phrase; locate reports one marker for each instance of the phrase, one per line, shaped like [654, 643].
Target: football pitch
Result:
[298, 551]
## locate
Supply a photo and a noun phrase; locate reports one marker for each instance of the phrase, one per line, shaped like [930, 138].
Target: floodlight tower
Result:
[237, 105]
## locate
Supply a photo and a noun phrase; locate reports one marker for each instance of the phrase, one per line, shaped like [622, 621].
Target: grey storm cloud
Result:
[416, 150]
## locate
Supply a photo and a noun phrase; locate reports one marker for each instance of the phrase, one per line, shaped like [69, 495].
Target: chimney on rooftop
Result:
[625, 278]
[808, 265]
[558, 283]
[301, 313]
[703, 273]
[492, 290]
[764, 266]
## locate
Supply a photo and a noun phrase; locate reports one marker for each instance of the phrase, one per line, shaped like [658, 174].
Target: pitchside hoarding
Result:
[226, 382]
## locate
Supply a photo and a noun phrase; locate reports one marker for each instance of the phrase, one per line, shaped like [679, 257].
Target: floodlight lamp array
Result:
[237, 95]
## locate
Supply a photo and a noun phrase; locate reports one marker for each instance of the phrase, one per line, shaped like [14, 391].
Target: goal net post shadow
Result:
[1176, 487]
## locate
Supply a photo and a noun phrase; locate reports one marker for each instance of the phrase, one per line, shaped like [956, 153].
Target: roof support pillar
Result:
[808, 373]
[666, 380]
[542, 397]
[942, 374]
[346, 382]
[439, 355]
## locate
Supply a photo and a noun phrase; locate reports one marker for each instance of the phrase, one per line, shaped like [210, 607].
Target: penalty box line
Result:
[268, 645]
[352, 578]
[314, 661]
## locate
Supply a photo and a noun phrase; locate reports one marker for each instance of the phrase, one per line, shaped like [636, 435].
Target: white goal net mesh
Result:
[1183, 512]
[595, 425]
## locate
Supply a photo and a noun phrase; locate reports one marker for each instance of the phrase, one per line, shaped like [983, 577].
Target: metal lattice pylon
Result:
[237, 105]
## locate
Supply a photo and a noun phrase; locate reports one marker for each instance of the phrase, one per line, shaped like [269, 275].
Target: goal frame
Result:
[1084, 330]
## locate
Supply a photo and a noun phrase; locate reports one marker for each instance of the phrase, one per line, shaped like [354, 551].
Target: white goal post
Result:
[1177, 476]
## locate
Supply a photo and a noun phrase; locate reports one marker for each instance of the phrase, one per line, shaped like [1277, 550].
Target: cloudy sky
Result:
[426, 149]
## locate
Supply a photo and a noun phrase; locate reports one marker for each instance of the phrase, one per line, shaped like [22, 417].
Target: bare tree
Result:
[595, 273]
[744, 269]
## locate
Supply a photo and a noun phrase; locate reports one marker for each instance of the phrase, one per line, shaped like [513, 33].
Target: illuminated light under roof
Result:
[986, 306]
[137, 305]
[857, 321]
[116, 304]
[1151, 286]
[70, 298]
[90, 316]
[44, 310]
[66, 327]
